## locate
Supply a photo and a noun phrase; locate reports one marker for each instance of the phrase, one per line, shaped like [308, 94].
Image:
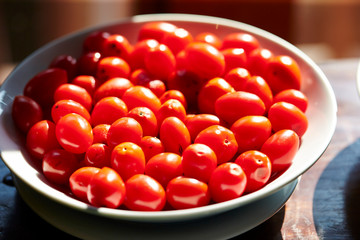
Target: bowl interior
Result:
[321, 112]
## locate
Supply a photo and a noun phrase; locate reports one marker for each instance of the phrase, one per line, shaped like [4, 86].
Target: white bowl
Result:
[321, 114]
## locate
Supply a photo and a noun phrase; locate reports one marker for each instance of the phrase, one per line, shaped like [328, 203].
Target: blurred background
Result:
[324, 29]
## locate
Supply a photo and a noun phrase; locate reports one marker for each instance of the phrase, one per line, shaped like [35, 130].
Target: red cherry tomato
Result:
[114, 87]
[94, 41]
[177, 40]
[139, 96]
[173, 94]
[151, 146]
[283, 115]
[87, 63]
[238, 78]
[258, 86]
[283, 73]
[199, 161]
[66, 62]
[118, 46]
[281, 149]
[155, 30]
[160, 62]
[240, 40]
[158, 87]
[58, 165]
[79, 181]
[42, 86]
[74, 133]
[128, 159]
[234, 58]
[108, 110]
[174, 135]
[204, 60]
[221, 140]
[251, 132]
[111, 67]
[98, 155]
[209, 38]
[73, 92]
[143, 193]
[210, 92]
[258, 60]
[185, 193]
[64, 107]
[41, 138]
[293, 96]
[171, 108]
[245, 104]
[257, 167]
[124, 129]
[89, 83]
[199, 122]
[146, 118]
[106, 189]
[163, 167]
[228, 181]
[100, 133]
[139, 52]
[25, 112]
[140, 77]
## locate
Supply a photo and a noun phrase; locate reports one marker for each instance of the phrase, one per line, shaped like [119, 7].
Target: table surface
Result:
[324, 205]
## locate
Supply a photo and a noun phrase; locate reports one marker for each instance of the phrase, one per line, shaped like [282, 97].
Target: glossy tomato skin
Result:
[293, 96]
[146, 118]
[221, 140]
[199, 161]
[113, 87]
[106, 189]
[25, 112]
[87, 63]
[245, 104]
[237, 78]
[98, 155]
[100, 133]
[281, 149]
[107, 110]
[66, 62]
[283, 115]
[79, 181]
[157, 86]
[251, 132]
[128, 159]
[94, 41]
[258, 86]
[171, 108]
[139, 52]
[41, 138]
[155, 30]
[209, 38]
[240, 40]
[139, 96]
[117, 45]
[63, 107]
[143, 193]
[151, 146]
[74, 133]
[75, 93]
[257, 167]
[177, 40]
[88, 82]
[58, 165]
[160, 62]
[111, 67]
[185, 193]
[199, 122]
[174, 135]
[228, 181]
[234, 58]
[173, 94]
[258, 60]
[124, 129]
[163, 167]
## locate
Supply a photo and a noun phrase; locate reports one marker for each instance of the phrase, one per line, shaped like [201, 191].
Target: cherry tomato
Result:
[63, 107]
[281, 149]
[234, 58]
[199, 122]
[245, 104]
[155, 30]
[146, 118]
[293, 96]
[118, 46]
[228, 181]
[106, 189]
[199, 161]
[139, 52]
[42, 86]
[210, 92]
[124, 129]
[258, 86]
[257, 61]
[87, 63]
[163, 167]
[114, 87]
[283, 73]
[240, 40]
[108, 110]
[94, 41]
[79, 181]
[111, 67]
[151, 146]
[173, 94]
[221, 140]
[171, 108]
[238, 78]
[74, 133]
[41, 138]
[128, 159]
[25, 113]
[100, 133]
[283, 115]
[66, 62]
[73, 92]
[204, 60]
[158, 87]
[185, 193]
[98, 155]
[58, 165]
[139, 96]
[257, 168]
[251, 132]
[177, 40]
[143, 193]
[89, 83]
[160, 62]
[209, 38]
[174, 135]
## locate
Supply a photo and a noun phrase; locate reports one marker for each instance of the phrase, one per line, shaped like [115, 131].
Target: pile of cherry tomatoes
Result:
[173, 121]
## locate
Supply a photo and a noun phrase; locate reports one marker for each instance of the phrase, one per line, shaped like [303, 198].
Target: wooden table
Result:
[325, 204]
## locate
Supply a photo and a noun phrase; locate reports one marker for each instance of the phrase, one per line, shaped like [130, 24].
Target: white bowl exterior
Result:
[321, 112]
